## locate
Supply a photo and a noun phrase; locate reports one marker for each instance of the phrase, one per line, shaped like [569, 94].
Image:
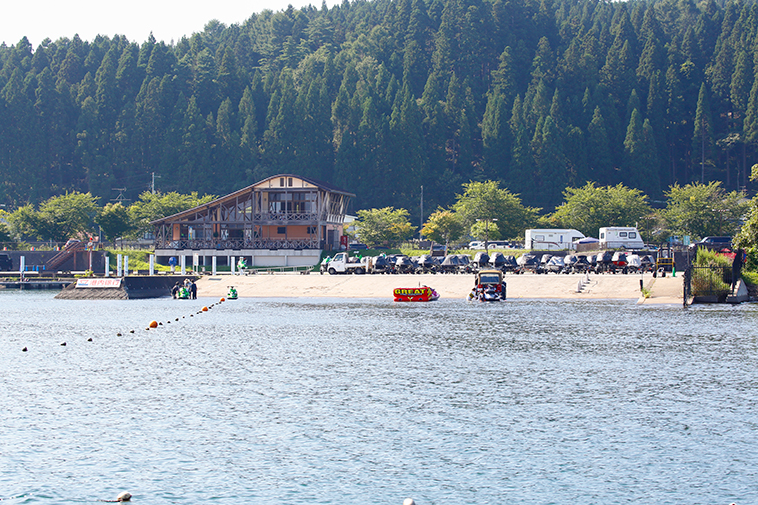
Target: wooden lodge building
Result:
[285, 220]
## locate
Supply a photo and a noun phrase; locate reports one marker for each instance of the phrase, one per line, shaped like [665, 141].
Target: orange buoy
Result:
[222, 299]
[153, 324]
[205, 309]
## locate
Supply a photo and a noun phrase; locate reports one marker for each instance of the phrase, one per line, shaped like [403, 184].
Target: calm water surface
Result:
[315, 401]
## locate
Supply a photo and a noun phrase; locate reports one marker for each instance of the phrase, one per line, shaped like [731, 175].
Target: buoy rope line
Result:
[151, 325]
[125, 496]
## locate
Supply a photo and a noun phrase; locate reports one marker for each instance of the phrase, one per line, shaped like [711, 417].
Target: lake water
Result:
[311, 401]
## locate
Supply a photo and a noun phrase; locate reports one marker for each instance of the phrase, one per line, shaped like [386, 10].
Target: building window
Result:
[281, 230]
[311, 230]
[289, 181]
[281, 181]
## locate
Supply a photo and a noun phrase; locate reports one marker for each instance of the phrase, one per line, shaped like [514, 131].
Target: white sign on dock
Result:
[98, 283]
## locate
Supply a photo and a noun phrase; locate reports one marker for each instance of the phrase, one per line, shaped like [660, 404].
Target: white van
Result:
[551, 239]
[616, 237]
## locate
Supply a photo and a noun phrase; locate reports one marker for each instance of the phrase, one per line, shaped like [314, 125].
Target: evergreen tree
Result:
[600, 163]
[702, 139]
[496, 138]
[740, 85]
[551, 163]
[326, 92]
[521, 170]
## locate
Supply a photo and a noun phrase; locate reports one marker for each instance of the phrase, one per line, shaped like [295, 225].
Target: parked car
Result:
[499, 244]
[358, 246]
[476, 244]
[714, 242]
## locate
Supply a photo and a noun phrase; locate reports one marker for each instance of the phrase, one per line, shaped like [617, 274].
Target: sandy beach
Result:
[664, 290]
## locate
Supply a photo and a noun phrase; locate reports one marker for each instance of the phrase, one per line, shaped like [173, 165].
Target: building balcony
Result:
[236, 244]
[286, 217]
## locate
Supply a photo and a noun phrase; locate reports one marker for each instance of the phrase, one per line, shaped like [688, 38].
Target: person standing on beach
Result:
[172, 263]
[193, 290]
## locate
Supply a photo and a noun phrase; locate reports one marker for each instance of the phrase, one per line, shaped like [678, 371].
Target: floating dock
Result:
[124, 288]
[35, 284]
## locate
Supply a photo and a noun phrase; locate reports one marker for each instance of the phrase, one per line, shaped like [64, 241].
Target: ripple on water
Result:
[344, 401]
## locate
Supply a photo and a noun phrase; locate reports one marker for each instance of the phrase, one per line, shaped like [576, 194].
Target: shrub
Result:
[715, 278]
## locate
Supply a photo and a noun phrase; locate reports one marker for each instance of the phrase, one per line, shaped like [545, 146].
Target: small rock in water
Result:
[63, 343]
[24, 349]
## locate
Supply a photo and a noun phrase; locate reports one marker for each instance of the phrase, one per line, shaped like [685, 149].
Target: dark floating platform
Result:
[34, 284]
[132, 288]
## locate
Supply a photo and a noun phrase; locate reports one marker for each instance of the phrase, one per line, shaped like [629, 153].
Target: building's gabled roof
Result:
[319, 184]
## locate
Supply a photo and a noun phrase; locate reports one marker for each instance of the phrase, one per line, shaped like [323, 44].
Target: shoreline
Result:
[664, 290]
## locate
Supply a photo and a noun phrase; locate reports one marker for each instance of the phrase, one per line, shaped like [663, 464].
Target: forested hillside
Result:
[382, 97]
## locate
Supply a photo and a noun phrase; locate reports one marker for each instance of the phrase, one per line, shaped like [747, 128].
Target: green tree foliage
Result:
[381, 97]
[6, 239]
[23, 222]
[747, 237]
[5, 236]
[590, 208]
[385, 226]
[58, 219]
[152, 206]
[486, 201]
[485, 230]
[700, 210]
[703, 136]
[114, 221]
[443, 227]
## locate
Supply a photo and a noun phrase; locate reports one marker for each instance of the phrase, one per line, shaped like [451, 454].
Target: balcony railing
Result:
[286, 216]
[240, 244]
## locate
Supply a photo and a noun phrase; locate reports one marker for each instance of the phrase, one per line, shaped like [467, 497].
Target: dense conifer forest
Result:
[383, 97]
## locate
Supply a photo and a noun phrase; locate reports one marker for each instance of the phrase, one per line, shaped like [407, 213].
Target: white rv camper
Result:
[551, 240]
[615, 237]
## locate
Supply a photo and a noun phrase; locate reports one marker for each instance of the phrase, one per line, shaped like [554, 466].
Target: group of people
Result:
[189, 287]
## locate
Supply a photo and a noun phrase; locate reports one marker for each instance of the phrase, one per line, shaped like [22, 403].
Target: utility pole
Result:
[153, 184]
[702, 150]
